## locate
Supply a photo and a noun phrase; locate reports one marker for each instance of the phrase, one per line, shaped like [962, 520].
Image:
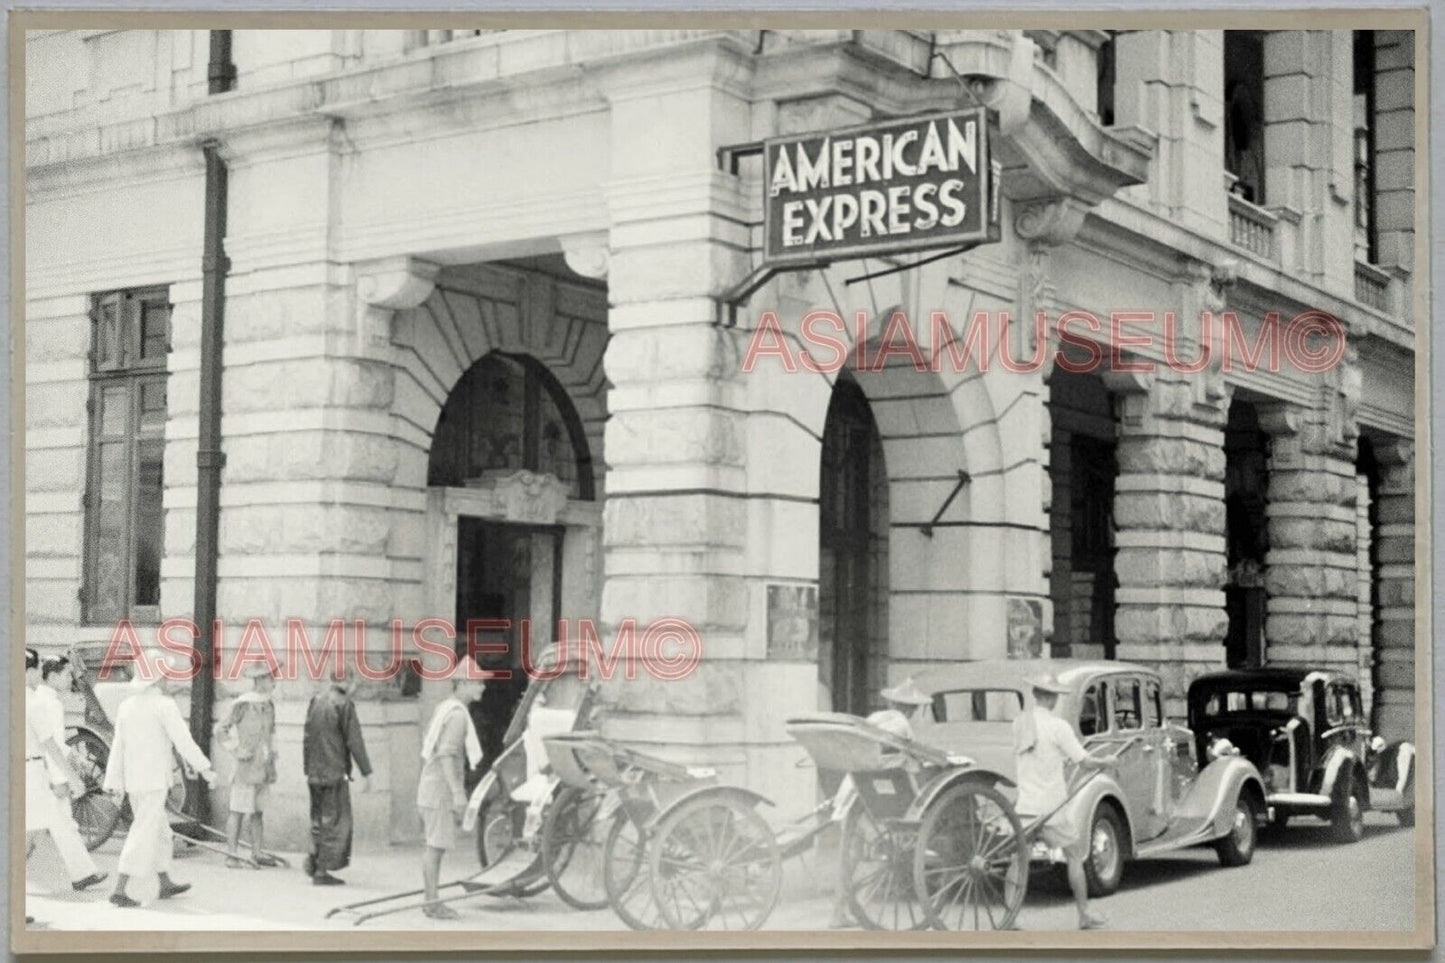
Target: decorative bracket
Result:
[587, 254]
[395, 282]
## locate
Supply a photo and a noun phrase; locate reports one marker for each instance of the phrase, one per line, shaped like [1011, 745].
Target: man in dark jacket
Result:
[332, 742]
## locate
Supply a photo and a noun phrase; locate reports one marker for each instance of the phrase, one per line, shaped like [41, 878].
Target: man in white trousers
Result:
[148, 730]
[47, 713]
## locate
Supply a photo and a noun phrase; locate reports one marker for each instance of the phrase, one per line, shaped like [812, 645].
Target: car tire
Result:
[1347, 815]
[1107, 836]
[1237, 848]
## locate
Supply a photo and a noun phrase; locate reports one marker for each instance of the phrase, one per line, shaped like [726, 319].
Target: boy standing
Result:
[249, 733]
[450, 743]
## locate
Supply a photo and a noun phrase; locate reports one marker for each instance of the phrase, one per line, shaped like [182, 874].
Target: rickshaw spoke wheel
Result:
[573, 841]
[970, 867]
[96, 813]
[715, 863]
[877, 871]
[625, 874]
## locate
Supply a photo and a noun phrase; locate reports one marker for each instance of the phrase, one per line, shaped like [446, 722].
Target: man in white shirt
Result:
[47, 714]
[1043, 743]
[148, 731]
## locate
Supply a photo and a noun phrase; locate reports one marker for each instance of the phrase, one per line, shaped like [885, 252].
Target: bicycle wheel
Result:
[573, 839]
[971, 864]
[626, 876]
[877, 869]
[715, 864]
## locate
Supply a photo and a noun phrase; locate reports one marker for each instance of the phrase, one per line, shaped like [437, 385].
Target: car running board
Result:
[1191, 833]
[1312, 800]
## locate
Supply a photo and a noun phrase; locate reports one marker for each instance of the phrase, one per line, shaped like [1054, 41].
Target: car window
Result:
[1153, 711]
[1222, 703]
[1128, 704]
[1333, 713]
[977, 705]
[1091, 711]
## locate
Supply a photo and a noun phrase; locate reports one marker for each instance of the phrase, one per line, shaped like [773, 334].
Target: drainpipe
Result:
[221, 75]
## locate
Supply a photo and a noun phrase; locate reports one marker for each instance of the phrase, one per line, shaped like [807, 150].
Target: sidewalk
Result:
[285, 899]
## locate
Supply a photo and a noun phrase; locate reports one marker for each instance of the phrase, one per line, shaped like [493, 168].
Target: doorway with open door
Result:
[509, 583]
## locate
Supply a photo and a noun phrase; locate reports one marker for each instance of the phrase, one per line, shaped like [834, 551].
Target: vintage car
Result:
[1306, 731]
[1158, 799]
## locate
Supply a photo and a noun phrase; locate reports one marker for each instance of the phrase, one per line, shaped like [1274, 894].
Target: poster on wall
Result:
[516, 482]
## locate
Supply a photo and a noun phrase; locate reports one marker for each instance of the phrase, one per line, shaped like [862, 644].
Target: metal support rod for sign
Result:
[744, 289]
[963, 479]
[727, 157]
[910, 266]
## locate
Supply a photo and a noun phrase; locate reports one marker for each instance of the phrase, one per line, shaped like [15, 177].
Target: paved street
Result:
[1299, 881]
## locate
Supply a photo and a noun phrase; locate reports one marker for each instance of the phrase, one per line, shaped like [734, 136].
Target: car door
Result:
[1139, 768]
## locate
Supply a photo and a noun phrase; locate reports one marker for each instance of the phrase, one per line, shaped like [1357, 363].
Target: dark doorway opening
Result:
[1246, 493]
[512, 573]
[852, 536]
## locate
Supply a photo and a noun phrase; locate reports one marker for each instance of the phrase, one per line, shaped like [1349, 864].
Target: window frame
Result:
[1114, 686]
[119, 363]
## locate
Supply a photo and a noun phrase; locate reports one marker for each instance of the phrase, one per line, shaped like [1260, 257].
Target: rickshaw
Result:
[532, 830]
[930, 840]
[683, 851]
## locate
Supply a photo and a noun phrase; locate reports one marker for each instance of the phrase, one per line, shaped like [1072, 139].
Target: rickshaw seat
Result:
[541, 723]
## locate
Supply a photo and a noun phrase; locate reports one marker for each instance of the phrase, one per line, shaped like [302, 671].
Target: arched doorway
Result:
[508, 428]
[852, 552]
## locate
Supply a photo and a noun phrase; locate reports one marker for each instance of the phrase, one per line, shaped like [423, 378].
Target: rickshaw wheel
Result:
[626, 876]
[878, 874]
[573, 842]
[971, 864]
[715, 863]
[499, 827]
[95, 812]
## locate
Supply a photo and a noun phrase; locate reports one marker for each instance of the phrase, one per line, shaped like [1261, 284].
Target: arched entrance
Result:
[508, 423]
[852, 552]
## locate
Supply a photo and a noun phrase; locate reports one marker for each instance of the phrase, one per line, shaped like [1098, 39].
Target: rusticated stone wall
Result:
[1169, 522]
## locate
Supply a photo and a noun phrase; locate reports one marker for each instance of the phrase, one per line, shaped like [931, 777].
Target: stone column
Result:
[1394, 120]
[1394, 632]
[1310, 568]
[1169, 504]
[1308, 128]
[1172, 82]
[676, 519]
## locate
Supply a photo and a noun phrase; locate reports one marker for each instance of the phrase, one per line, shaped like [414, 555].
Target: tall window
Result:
[1366, 235]
[130, 335]
[1104, 91]
[1244, 112]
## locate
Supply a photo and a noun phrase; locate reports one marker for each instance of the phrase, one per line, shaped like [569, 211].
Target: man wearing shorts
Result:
[1043, 744]
[450, 743]
[249, 732]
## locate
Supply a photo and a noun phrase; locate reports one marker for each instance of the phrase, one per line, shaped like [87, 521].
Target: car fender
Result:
[1400, 757]
[1337, 762]
[1100, 789]
[942, 784]
[1217, 790]
[746, 796]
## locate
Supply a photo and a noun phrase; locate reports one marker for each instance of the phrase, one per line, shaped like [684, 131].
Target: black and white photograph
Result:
[921, 485]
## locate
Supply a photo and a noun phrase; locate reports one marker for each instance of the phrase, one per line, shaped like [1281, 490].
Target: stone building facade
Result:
[407, 208]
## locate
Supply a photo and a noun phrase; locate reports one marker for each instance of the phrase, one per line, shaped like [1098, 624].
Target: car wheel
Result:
[1105, 865]
[1347, 818]
[1237, 849]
